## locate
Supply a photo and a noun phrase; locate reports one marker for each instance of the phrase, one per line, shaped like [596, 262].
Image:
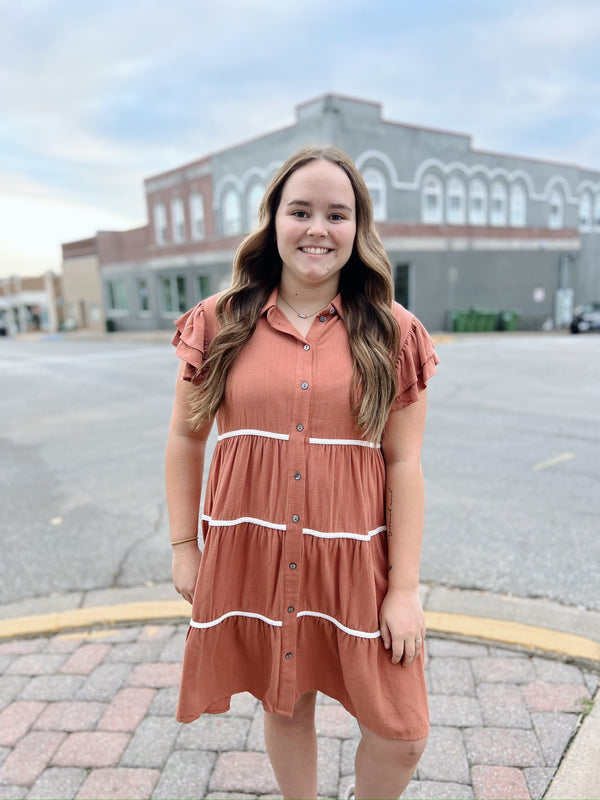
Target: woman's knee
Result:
[409, 753]
[404, 753]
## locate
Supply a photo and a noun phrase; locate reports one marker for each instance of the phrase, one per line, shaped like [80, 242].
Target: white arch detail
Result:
[470, 172]
[241, 184]
[226, 182]
[565, 188]
[587, 184]
[474, 171]
[385, 160]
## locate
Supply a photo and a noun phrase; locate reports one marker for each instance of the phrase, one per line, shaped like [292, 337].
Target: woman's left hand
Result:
[402, 625]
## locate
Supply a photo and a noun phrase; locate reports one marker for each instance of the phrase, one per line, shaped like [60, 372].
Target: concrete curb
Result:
[578, 776]
[501, 632]
[539, 626]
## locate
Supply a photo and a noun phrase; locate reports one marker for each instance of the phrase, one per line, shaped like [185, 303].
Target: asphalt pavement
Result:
[89, 667]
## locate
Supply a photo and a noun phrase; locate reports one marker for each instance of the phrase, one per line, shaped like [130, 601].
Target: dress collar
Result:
[272, 302]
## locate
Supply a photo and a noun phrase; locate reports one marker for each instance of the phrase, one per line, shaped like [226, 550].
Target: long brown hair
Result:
[366, 290]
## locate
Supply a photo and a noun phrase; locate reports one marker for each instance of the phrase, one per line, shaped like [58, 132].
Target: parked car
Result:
[586, 318]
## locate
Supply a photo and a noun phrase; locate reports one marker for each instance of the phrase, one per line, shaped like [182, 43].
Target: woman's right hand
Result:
[184, 569]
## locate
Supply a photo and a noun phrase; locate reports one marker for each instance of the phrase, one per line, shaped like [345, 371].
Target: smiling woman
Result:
[315, 226]
[316, 379]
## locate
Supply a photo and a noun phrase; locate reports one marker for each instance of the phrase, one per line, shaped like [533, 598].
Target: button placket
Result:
[296, 450]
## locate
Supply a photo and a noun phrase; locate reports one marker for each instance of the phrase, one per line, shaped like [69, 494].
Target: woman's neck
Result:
[307, 299]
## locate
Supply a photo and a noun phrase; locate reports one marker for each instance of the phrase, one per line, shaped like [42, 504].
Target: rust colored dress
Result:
[294, 566]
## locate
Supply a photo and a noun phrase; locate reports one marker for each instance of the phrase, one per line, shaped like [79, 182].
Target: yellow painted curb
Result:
[146, 611]
[486, 628]
[514, 633]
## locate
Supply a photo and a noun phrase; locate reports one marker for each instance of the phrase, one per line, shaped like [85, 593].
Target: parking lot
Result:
[511, 458]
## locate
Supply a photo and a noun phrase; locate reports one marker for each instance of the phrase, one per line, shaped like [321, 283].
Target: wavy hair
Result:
[366, 290]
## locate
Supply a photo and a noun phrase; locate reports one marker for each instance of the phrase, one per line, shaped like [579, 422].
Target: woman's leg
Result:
[292, 748]
[385, 766]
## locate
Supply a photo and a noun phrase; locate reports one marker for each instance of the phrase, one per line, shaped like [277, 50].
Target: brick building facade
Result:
[461, 227]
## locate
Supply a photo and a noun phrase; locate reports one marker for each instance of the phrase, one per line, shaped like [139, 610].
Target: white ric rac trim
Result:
[334, 535]
[229, 523]
[251, 432]
[359, 442]
[351, 631]
[213, 622]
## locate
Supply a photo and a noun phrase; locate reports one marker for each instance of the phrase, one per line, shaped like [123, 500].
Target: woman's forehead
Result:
[319, 179]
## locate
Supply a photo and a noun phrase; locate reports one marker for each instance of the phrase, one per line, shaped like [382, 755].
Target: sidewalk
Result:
[89, 712]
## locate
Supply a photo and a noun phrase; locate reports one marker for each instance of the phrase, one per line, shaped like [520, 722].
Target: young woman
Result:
[313, 514]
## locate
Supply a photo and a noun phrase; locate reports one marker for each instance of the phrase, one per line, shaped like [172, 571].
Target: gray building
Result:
[462, 227]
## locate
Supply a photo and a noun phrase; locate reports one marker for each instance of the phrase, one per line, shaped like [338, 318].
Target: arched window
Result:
[232, 213]
[197, 216]
[597, 211]
[377, 187]
[556, 209]
[518, 206]
[498, 204]
[431, 200]
[255, 195]
[585, 211]
[456, 202]
[477, 202]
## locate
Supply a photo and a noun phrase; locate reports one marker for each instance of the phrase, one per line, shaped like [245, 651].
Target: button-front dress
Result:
[294, 567]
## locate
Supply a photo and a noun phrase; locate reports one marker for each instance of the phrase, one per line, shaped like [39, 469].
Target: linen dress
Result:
[294, 566]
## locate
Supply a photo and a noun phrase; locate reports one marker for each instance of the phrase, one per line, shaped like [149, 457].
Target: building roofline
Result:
[375, 104]
[196, 163]
[535, 159]
[341, 97]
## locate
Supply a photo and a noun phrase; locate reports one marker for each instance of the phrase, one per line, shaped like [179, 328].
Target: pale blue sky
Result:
[95, 96]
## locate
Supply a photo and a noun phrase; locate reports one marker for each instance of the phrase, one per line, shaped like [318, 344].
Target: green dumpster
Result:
[491, 319]
[462, 320]
[470, 320]
[480, 320]
[508, 320]
[458, 320]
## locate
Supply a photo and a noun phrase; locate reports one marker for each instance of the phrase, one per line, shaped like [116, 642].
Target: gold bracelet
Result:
[181, 541]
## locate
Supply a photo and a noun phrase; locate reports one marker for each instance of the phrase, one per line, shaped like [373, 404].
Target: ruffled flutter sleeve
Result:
[416, 363]
[190, 342]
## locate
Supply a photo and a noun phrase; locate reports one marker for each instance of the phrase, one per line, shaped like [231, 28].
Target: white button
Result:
[307, 347]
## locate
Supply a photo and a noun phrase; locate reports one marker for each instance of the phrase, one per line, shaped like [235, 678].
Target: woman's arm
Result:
[184, 468]
[401, 618]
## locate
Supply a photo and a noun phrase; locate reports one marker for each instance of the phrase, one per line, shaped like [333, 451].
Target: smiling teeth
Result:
[315, 251]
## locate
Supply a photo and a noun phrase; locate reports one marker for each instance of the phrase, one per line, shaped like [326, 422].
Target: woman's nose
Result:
[317, 228]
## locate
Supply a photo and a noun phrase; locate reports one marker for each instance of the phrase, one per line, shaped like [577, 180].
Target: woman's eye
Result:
[300, 214]
[337, 217]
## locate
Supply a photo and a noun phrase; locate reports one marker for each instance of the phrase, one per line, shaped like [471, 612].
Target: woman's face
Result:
[315, 225]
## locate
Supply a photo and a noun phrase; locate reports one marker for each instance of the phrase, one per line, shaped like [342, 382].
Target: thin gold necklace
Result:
[295, 310]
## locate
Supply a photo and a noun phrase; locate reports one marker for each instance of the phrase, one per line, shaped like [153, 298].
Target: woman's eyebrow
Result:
[308, 204]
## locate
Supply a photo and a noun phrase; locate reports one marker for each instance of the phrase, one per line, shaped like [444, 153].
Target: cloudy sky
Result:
[95, 96]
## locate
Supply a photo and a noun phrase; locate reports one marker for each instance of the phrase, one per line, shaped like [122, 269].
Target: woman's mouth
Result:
[315, 251]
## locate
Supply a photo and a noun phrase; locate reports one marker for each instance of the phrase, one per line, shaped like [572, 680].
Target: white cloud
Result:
[96, 97]
[32, 216]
